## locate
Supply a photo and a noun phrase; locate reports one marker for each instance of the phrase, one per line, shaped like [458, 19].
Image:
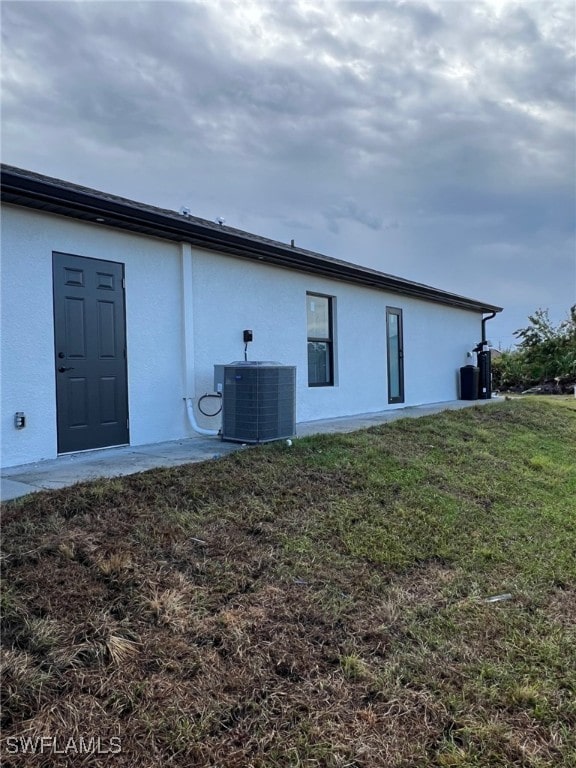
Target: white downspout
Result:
[188, 339]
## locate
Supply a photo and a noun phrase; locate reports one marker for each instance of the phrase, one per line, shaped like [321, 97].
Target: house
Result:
[114, 314]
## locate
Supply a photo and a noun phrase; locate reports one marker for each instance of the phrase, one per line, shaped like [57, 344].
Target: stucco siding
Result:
[27, 368]
[153, 329]
[228, 295]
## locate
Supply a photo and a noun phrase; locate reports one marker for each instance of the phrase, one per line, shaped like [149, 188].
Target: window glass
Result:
[318, 317]
[320, 341]
[319, 366]
[395, 355]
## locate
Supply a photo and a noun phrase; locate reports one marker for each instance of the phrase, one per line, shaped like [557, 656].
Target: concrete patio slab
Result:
[365, 420]
[13, 489]
[73, 468]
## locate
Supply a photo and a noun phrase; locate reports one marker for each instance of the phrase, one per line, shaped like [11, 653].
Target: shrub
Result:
[544, 352]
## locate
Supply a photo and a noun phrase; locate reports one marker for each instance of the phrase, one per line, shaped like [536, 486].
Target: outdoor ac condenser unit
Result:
[258, 402]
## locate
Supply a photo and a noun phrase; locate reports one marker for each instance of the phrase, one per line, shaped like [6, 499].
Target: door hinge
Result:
[127, 423]
[124, 282]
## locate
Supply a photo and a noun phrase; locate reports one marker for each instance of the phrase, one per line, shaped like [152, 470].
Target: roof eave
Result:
[47, 196]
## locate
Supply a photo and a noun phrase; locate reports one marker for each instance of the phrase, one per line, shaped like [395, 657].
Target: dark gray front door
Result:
[90, 353]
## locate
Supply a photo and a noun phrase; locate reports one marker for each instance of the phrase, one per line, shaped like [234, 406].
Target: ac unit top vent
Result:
[252, 363]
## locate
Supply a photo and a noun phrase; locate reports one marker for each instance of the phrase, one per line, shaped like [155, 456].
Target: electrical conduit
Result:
[188, 340]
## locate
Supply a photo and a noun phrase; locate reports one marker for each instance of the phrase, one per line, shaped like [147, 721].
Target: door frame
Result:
[397, 312]
[55, 254]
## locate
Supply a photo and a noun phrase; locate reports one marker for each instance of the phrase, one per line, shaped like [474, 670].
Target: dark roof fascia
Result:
[23, 188]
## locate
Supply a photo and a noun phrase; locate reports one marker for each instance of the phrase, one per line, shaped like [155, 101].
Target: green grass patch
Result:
[323, 604]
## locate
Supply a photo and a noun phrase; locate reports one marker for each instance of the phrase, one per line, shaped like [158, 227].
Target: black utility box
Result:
[469, 376]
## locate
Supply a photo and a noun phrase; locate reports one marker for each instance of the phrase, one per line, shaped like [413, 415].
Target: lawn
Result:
[567, 400]
[325, 604]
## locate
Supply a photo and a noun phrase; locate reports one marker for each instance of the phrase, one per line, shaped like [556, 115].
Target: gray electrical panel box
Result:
[259, 402]
[219, 378]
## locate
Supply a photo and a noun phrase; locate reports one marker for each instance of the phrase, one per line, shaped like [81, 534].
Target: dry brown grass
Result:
[233, 614]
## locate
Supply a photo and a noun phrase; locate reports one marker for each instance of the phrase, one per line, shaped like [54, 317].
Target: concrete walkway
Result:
[114, 462]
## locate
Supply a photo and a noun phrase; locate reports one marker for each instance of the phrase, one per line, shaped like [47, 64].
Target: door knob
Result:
[62, 369]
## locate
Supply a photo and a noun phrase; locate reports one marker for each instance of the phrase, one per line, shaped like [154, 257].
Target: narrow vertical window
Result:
[395, 346]
[320, 340]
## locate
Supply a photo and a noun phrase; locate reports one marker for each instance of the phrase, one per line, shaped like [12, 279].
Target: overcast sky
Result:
[432, 140]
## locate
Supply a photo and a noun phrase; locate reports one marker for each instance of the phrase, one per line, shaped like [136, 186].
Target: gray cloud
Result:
[350, 210]
[327, 123]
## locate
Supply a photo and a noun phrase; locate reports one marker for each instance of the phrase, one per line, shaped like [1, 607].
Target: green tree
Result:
[544, 352]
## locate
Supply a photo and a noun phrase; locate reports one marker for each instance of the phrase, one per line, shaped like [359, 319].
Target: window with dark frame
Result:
[395, 345]
[320, 340]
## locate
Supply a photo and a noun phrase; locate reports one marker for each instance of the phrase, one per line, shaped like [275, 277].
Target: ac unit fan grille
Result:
[259, 402]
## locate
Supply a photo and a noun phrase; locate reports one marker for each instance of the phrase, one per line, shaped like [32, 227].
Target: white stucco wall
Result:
[231, 295]
[153, 329]
[228, 296]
